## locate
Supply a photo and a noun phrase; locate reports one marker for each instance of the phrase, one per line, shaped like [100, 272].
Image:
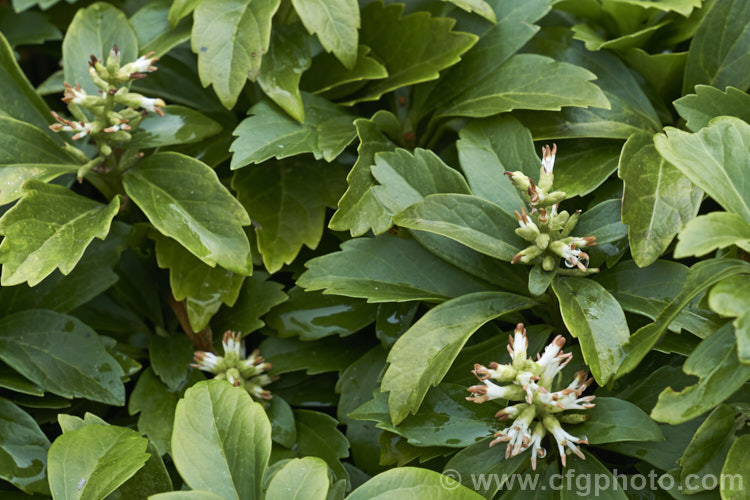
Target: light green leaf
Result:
[179, 125]
[720, 374]
[594, 41]
[712, 231]
[731, 297]
[335, 22]
[736, 465]
[198, 211]
[421, 357]
[186, 495]
[287, 58]
[387, 269]
[24, 449]
[658, 201]
[28, 153]
[614, 420]
[718, 61]
[153, 30]
[318, 436]
[271, 133]
[470, 220]
[331, 78]
[358, 209]
[230, 38]
[62, 355]
[257, 297]
[300, 477]
[204, 288]
[715, 159]
[407, 483]
[95, 30]
[595, 318]
[180, 9]
[48, 229]
[684, 7]
[479, 7]
[528, 81]
[413, 48]
[233, 435]
[287, 201]
[709, 102]
[487, 149]
[93, 461]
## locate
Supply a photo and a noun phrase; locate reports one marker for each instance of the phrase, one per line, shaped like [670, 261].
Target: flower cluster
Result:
[543, 226]
[247, 372]
[108, 116]
[540, 410]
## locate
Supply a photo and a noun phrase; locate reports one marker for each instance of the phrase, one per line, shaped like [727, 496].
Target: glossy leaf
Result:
[404, 483]
[731, 297]
[24, 449]
[603, 222]
[335, 22]
[233, 434]
[330, 354]
[230, 38]
[614, 420]
[48, 229]
[257, 296]
[421, 356]
[318, 436]
[713, 231]
[179, 125]
[271, 133]
[714, 159]
[387, 269]
[332, 79]
[198, 212]
[583, 165]
[152, 28]
[736, 464]
[658, 201]
[306, 477]
[709, 102]
[595, 318]
[708, 441]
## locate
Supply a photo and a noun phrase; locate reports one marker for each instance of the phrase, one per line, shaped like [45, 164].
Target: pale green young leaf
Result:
[153, 31]
[270, 133]
[403, 483]
[49, 229]
[233, 435]
[658, 200]
[387, 269]
[24, 450]
[736, 464]
[709, 102]
[95, 30]
[730, 297]
[230, 38]
[318, 436]
[300, 477]
[421, 357]
[198, 211]
[714, 159]
[335, 22]
[713, 231]
[180, 9]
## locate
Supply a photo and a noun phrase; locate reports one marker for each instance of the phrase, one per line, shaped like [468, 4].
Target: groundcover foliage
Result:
[262, 248]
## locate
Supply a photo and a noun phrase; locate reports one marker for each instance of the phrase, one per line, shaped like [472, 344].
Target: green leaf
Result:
[421, 356]
[20, 100]
[330, 354]
[715, 159]
[712, 231]
[95, 30]
[387, 269]
[24, 450]
[312, 315]
[658, 201]
[582, 165]
[198, 211]
[614, 420]
[233, 435]
[48, 229]
[257, 297]
[662, 71]
[271, 133]
[333, 80]
[230, 38]
[27, 28]
[405, 483]
[288, 57]
[479, 7]
[335, 22]
[170, 358]
[318, 436]
[27, 153]
[300, 477]
[528, 81]
[603, 222]
[717, 61]
[153, 30]
[204, 288]
[180, 9]
[62, 355]
[593, 40]
[93, 461]
[358, 209]
[701, 276]
[187, 495]
[731, 297]
[470, 220]
[595, 318]
[287, 201]
[709, 102]
[736, 465]
[684, 7]
[413, 48]
[487, 149]
[283, 426]
[720, 374]
[708, 442]
[179, 125]
[590, 467]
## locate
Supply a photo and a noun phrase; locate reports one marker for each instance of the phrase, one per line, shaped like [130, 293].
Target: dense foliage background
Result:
[326, 177]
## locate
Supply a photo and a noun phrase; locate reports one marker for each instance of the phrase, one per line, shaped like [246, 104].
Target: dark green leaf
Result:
[613, 420]
[283, 426]
[170, 358]
[411, 482]
[736, 465]
[603, 222]
[24, 450]
[179, 125]
[331, 78]
[708, 441]
[153, 31]
[329, 354]
[318, 436]
[27, 28]
[257, 297]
